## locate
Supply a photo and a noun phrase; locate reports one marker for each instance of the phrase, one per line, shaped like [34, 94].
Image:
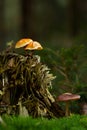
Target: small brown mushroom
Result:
[23, 42]
[66, 97]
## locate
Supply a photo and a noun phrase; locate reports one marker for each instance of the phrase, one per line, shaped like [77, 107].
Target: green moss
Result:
[74, 122]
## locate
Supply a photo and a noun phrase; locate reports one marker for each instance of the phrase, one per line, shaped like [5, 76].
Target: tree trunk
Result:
[73, 17]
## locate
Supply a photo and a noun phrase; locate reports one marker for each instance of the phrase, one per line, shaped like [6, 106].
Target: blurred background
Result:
[54, 23]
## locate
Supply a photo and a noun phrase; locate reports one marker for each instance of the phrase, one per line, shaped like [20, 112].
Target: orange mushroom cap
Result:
[23, 42]
[34, 45]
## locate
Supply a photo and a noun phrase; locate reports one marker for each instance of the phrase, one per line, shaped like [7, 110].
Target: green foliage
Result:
[70, 67]
[74, 122]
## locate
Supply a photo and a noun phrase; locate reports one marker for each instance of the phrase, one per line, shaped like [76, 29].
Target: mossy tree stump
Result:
[24, 87]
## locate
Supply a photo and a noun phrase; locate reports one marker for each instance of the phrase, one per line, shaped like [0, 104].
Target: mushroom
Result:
[66, 97]
[28, 44]
[23, 42]
[34, 45]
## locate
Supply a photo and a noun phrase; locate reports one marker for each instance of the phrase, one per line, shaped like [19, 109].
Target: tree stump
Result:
[24, 87]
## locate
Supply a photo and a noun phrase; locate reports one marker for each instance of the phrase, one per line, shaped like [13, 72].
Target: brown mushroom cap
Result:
[34, 45]
[68, 97]
[23, 42]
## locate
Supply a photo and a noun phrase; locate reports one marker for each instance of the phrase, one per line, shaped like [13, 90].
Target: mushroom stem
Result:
[67, 112]
[29, 54]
